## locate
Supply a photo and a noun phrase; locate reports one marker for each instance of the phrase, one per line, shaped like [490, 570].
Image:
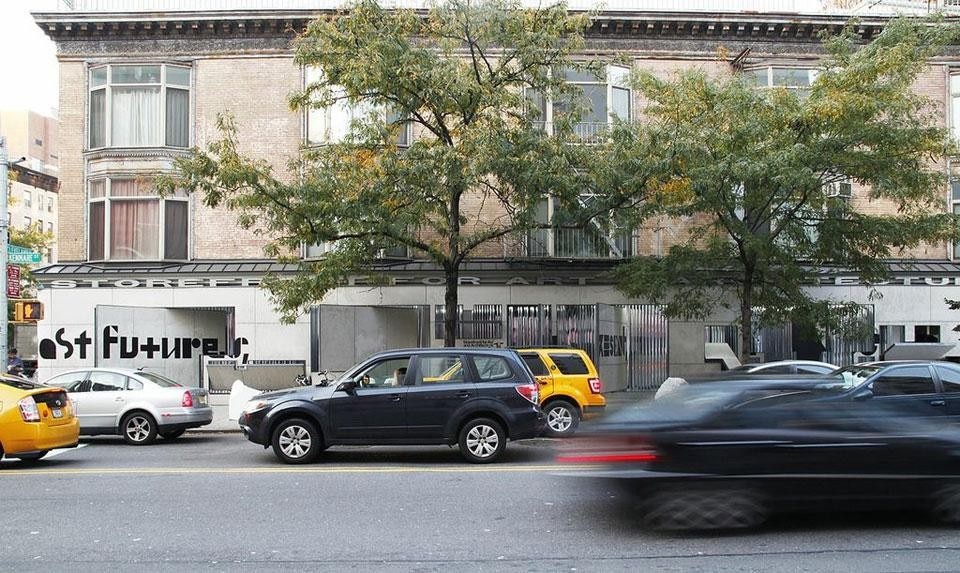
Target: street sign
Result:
[13, 281]
[17, 249]
[24, 258]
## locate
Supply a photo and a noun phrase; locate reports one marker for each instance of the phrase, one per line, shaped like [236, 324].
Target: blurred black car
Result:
[477, 398]
[727, 455]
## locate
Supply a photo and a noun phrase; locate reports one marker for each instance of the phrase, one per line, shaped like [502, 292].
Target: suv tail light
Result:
[615, 450]
[187, 401]
[530, 392]
[595, 385]
[28, 410]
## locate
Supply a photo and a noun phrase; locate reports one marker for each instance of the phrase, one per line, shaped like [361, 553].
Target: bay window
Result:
[139, 106]
[127, 220]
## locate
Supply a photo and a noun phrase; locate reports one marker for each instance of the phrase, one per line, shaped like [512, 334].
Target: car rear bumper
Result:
[528, 425]
[185, 418]
[35, 437]
[593, 410]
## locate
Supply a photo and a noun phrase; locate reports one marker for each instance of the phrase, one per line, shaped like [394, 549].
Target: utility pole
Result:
[4, 224]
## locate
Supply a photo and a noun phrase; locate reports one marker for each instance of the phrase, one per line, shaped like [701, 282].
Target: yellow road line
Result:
[283, 470]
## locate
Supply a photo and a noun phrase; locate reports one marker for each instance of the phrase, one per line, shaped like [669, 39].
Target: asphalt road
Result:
[217, 502]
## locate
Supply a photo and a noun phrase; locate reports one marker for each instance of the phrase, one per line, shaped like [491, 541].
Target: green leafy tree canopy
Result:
[756, 166]
[480, 163]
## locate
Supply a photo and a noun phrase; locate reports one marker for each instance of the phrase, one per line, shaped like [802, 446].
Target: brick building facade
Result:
[138, 89]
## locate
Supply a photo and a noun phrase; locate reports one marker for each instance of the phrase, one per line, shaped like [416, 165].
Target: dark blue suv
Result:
[475, 397]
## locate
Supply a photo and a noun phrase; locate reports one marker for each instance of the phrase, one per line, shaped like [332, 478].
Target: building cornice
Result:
[288, 23]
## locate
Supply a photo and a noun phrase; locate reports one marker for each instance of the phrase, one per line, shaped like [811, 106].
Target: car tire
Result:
[31, 457]
[482, 441]
[138, 429]
[563, 418]
[946, 504]
[699, 509]
[297, 441]
[172, 434]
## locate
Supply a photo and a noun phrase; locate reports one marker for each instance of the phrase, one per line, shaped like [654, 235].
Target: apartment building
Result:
[170, 283]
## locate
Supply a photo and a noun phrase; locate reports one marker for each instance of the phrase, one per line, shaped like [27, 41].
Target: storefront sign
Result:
[438, 280]
[358, 280]
[114, 344]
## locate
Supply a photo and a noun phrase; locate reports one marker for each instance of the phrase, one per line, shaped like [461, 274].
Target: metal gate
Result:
[855, 336]
[628, 343]
[647, 346]
[528, 325]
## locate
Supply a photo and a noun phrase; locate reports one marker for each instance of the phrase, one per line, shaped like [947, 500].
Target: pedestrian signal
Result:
[28, 310]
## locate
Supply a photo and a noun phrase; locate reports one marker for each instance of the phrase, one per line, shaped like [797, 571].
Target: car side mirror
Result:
[350, 387]
[863, 394]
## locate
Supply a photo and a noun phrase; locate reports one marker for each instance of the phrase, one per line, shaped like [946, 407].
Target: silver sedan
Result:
[135, 404]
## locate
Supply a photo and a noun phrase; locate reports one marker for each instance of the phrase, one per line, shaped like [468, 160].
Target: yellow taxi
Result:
[570, 387]
[34, 419]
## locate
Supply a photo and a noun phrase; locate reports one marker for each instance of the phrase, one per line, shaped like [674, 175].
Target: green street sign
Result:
[15, 249]
[24, 258]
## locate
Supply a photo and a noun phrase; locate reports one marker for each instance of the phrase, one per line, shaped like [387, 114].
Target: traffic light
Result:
[28, 311]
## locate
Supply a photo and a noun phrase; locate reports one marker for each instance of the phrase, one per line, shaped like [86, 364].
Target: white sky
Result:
[28, 63]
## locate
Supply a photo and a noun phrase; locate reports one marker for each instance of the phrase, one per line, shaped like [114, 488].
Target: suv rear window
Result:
[535, 363]
[491, 368]
[569, 363]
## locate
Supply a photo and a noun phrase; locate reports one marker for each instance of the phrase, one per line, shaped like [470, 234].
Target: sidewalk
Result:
[615, 401]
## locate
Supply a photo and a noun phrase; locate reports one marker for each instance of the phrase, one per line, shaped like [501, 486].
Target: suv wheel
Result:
[296, 441]
[563, 418]
[138, 429]
[482, 441]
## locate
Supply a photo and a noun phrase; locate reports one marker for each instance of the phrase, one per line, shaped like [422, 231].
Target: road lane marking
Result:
[59, 451]
[281, 470]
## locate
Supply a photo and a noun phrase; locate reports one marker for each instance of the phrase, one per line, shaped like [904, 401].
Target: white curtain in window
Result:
[135, 229]
[178, 116]
[136, 116]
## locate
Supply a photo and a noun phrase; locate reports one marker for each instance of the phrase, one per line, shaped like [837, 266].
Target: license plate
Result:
[203, 400]
[57, 413]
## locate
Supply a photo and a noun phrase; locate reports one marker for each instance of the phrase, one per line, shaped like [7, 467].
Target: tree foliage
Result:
[757, 165]
[472, 177]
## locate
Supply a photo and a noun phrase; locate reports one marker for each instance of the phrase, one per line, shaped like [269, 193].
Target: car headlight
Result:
[254, 405]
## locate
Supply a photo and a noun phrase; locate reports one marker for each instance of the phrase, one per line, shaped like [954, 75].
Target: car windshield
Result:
[21, 384]
[848, 377]
[159, 380]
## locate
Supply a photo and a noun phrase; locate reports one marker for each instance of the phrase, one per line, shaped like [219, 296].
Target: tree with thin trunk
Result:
[445, 158]
[765, 176]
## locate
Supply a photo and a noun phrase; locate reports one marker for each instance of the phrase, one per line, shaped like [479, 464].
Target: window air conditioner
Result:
[840, 189]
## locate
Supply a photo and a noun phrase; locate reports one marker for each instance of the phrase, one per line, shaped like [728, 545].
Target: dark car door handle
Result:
[394, 397]
[937, 402]
[463, 395]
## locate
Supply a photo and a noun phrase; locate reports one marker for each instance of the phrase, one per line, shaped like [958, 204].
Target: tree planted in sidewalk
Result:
[764, 175]
[445, 158]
